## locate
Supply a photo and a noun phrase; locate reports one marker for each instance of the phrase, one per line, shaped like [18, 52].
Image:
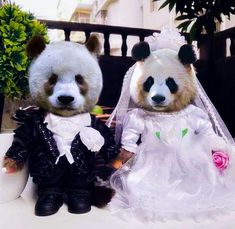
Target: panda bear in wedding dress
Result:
[178, 152]
[66, 147]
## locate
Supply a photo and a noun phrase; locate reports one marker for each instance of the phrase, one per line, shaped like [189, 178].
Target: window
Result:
[81, 17]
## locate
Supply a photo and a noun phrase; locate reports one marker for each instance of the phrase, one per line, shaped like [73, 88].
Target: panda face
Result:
[162, 83]
[65, 79]
[66, 93]
[160, 93]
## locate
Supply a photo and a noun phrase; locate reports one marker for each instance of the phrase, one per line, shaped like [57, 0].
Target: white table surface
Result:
[19, 214]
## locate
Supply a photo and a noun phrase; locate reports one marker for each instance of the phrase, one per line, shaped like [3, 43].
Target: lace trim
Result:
[186, 110]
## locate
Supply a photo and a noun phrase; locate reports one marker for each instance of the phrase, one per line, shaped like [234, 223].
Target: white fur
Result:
[162, 90]
[161, 64]
[67, 89]
[65, 59]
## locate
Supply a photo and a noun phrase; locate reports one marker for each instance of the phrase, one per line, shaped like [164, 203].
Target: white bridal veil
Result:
[168, 38]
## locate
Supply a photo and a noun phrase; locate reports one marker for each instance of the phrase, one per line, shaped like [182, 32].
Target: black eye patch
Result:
[171, 84]
[79, 79]
[82, 84]
[53, 79]
[148, 84]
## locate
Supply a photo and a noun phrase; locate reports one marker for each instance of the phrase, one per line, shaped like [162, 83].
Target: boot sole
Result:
[79, 211]
[47, 213]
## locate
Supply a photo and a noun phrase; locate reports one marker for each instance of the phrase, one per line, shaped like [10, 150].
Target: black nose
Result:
[65, 99]
[158, 98]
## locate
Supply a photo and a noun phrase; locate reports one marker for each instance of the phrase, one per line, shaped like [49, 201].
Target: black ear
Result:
[35, 46]
[93, 44]
[140, 51]
[187, 55]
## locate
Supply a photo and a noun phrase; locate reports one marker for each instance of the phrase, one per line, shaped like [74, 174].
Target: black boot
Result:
[48, 204]
[79, 201]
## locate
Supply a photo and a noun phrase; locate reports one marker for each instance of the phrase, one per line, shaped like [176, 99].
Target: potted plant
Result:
[16, 28]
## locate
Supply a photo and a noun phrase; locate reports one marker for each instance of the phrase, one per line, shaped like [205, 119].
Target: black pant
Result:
[66, 179]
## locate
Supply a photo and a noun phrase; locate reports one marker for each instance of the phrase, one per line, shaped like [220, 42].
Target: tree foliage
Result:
[200, 15]
[16, 28]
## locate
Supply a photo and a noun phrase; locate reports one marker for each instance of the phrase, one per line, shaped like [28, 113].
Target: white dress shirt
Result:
[65, 129]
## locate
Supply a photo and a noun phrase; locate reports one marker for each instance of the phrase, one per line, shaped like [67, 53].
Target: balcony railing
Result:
[222, 39]
[124, 32]
[223, 45]
[219, 40]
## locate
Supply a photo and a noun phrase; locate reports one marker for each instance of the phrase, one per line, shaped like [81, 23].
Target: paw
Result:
[122, 158]
[125, 155]
[116, 163]
[11, 166]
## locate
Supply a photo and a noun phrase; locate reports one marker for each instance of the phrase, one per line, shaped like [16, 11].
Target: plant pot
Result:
[11, 185]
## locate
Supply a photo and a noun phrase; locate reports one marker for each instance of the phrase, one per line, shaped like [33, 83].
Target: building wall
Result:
[139, 14]
[229, 23]
[135, 13]
[120, 13]
[144, 14]
[125, 13]
[153, 18]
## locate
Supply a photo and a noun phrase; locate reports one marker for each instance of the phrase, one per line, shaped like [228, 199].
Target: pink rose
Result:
[220, 159]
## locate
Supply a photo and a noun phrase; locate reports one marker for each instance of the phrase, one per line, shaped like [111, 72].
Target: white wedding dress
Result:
[172, 174]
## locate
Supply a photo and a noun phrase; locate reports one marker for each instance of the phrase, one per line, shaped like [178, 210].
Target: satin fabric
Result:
[65, 129]
[172, 174]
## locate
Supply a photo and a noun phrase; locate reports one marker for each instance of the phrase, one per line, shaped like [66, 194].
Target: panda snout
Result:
[65, 100]
[158, 99]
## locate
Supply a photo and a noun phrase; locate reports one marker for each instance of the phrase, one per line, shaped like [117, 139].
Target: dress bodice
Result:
[158, 130]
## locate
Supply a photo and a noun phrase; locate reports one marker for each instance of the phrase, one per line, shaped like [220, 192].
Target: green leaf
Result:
[184, 25]
[181, 17]
[164, 4]
[184, 132]
[192, 33]
[16, 28]
[158, 135]
[19, 67]
[171, 5]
